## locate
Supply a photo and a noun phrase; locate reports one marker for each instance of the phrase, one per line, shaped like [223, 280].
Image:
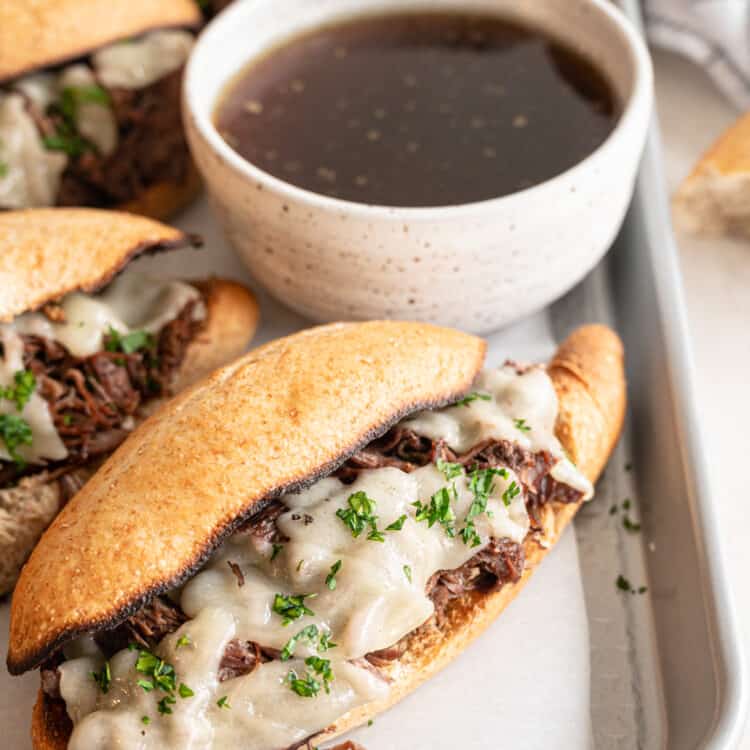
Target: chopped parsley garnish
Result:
[20, 392]
[481, 485]
[145, 720]
[521, 425]
[66, 137]
[473, 396]
[3, 169]
[331, 577]
[613, 510]
[128, 343]
[397, 525]
[370, 722]
[642, 589]
[449, 470]
[163, 706]
[359, 515]
[305, 686]
[630, 526]
[67, 141]
[185, 691]
[15, 432]
[103, 678]
[223, 702]
[276, 549]
[407, 572]
[628, 466]
[162, 674]
[438, 511]
[322, 668]
[626, 504]
[623, 583]
[183, 640]
[325, 642]
[512, 492]
[310, 633]
[147, 685]
[291, 608]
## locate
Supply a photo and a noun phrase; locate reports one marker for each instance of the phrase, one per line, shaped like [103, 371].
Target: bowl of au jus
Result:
[459, 161]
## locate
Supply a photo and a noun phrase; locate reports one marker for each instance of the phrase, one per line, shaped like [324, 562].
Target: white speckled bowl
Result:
[476, 266]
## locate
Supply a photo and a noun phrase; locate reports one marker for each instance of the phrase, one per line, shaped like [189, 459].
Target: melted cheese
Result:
[95, 121]
[30, 173]
[141, 62]
[133, 302]
[379, 596]
[529, 396]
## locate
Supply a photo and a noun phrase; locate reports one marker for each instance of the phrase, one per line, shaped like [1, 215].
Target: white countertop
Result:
[716, 276]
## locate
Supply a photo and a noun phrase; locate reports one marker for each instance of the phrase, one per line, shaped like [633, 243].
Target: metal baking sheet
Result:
[665, 666]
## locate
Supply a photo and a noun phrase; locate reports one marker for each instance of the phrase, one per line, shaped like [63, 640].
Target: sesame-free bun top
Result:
[47, 252]
[276, 419]
[36, 34]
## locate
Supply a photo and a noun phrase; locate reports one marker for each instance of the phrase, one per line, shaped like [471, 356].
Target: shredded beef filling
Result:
[93, 400]
[151, 148]
[500, 562]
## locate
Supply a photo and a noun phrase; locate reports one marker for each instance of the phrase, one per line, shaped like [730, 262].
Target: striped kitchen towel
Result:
[714, 33]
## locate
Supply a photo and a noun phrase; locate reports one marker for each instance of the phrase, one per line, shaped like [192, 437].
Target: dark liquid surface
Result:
[417, 110]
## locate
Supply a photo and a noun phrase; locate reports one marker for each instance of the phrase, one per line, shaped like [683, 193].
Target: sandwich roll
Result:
[88, 349]
[90, 104]
[322, 526]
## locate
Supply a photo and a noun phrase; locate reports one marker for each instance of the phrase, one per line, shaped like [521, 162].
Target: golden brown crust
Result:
[588, 373]
[39, 33]
[48, 252]
[278, 418]
[715, 197]
[165, 199]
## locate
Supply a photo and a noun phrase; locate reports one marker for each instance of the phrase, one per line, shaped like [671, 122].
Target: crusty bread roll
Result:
[55, 31]
[715, 197]
[50, 252]
[382, 371]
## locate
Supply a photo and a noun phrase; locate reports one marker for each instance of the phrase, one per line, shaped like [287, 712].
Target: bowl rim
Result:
[199, 113]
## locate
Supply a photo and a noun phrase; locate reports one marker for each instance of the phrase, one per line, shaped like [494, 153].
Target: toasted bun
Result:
[48, 252]
[38, 33]
[28, 509]
[277, 419]
[589, 378]
[715, 198]
[165, 199]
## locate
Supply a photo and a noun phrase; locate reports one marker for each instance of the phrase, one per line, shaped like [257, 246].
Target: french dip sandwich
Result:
[90, 104]
[88, 349]
[321, 526]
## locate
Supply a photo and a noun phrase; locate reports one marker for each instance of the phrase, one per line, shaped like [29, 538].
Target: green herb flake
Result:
[642, 589]
[511, 493]
[310, 633]
[103, 678]
[20, 392]
[370, 722]
[626, 504]
[276, 549]
[473, 396]
[163, 706]
[291, 608]
[183, 640]
[449, 470]
[128, 343]
[160, 673]
[147, 685]
[520, 424]
[15, 432]
[305, 686]
[223, 702]
[145, 720]
[359, 514]
[628, 466]
[437, 511]
[630, 526]
[185, 691]
[407, 572]
[326, 643]
[3, 169]
[322, 668]
[398, 524]
[331, 577]
[613, 510]
[623, 583]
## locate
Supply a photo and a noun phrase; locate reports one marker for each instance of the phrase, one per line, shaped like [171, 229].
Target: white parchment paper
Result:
[524, 684]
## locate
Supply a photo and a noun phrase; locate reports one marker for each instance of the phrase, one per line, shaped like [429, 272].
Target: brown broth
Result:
[417, 110]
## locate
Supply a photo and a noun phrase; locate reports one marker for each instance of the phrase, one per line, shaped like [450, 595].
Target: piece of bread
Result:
[715, 197]
[381, 371]
[28, 509]
[49, 252]
[37, 34]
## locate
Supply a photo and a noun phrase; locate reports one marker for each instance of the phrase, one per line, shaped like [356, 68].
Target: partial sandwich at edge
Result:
[88, 348]
[440, 514]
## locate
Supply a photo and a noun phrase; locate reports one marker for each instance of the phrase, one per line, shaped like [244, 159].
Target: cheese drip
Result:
[133, 302]
[377, 598]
